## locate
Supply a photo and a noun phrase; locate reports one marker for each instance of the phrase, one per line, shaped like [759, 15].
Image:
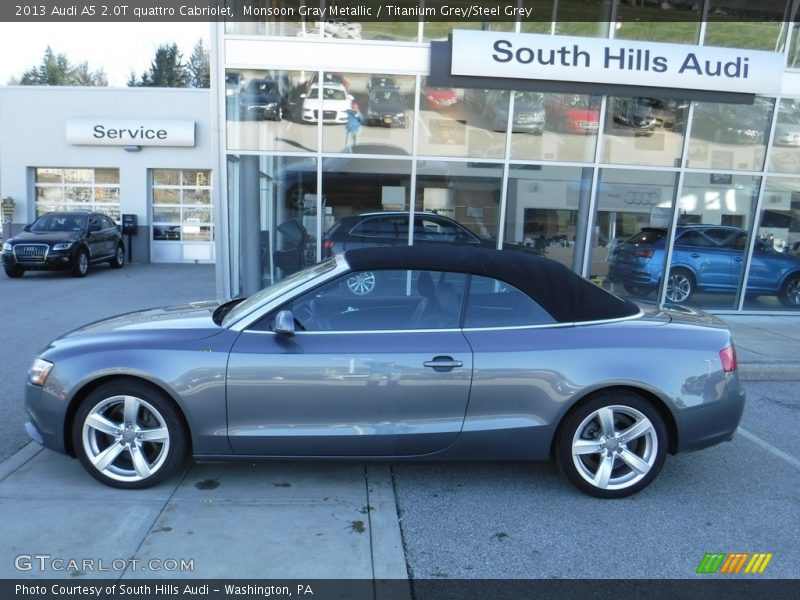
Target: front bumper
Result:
[54, 260]
[46, 415]
[387, 119]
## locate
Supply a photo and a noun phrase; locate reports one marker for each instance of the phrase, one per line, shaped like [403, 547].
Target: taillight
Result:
[728, 358]
[327, 244]
[644, 252]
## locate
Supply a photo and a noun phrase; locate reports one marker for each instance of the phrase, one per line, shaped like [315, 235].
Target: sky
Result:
[118, 48]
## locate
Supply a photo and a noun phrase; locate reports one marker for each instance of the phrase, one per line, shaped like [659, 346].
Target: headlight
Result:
[39, 371]
[64, 246]
[6, 247]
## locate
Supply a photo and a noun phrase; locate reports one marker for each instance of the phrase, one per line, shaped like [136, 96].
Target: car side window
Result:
[94, 223]
[494, 303]
[434, 231]
[399, 300]
[695, 238]
[108, 223]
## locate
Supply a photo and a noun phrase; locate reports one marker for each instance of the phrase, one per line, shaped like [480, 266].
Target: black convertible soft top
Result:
[565, 295]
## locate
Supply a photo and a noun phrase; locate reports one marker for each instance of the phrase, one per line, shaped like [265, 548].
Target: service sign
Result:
[129, 132]
[615, 62]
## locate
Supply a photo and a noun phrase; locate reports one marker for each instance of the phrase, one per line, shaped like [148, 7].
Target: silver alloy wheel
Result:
[126, 438]
[120, 256]
[614, 447]
[679, 287]
[792, 293]
[361, 283]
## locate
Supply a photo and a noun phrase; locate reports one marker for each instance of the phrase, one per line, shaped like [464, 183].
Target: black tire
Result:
[790, 291]
[80, 264]
[582, 431]
[680, 286]
[14, 271]
[119, 258]
[151, 411]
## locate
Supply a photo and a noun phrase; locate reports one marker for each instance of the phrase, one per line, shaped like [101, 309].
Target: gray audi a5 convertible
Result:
[458, 353]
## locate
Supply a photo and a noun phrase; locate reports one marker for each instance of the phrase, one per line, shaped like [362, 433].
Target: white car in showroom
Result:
[332, 100]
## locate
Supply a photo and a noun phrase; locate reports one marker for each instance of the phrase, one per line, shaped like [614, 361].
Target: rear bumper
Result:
[714, 422]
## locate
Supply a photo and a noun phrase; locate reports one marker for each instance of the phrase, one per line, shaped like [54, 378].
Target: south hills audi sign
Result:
[615, 62]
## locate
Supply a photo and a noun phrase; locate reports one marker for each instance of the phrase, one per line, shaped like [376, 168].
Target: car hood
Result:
[186, 321]
[45, 236]
[390, 106]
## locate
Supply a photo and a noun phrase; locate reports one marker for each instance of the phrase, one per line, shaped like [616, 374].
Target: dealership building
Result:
[679, 122]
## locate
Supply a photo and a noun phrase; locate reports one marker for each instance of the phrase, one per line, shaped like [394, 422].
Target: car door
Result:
[711, 262]
[386, 374]
[95, 239]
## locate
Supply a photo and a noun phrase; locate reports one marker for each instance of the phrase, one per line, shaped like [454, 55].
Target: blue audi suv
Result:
[706, 258]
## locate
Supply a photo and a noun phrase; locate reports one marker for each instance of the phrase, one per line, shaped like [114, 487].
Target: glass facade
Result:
[664, 197]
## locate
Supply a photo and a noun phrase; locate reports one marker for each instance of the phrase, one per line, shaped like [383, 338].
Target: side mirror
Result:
[284, 323]
[26, 228]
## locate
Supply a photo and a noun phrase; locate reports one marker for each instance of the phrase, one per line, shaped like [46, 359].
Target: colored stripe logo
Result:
[735, 563]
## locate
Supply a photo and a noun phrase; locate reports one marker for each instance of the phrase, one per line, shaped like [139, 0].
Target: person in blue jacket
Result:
[354, 120]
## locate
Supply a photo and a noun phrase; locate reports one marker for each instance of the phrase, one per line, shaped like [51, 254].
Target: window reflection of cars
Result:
[787, 130]
[634, 115]
[576, 113]
[529, 112]
[729, 123]
[386, 107]
[233, 83]
[332, 100]
[381, 82]
[390, 228]
[262, 99]
[328, 78]
[706, 258]
[438, 97]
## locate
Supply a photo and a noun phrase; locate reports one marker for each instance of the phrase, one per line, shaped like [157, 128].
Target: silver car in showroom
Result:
[464, 354]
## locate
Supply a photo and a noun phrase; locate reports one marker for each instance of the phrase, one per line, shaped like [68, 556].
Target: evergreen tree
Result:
[56, 69]
[199, 66]
[166, 69]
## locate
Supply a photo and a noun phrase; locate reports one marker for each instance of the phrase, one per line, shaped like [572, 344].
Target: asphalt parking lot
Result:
[492, 520]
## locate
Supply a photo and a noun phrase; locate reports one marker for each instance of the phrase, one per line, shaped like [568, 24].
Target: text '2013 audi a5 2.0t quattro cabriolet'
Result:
[463, 353]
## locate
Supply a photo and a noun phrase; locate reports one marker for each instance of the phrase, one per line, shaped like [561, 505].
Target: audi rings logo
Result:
[642, 198]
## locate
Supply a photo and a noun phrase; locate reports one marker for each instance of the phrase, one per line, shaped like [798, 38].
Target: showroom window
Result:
[61, 189]
[182, 206]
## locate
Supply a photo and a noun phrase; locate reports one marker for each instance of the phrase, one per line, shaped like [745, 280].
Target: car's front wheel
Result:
[119, 258]
[612, 446]
[80, 265]
[680, 286]
[128, 434]
[790, 292]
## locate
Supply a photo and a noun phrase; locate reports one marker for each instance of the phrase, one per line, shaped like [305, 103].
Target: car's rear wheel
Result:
[80, 265]
[119, 258]
[128, 434]
[680, 286]
[14, 271]
[362, 284]
[790, 292]
[612, 446]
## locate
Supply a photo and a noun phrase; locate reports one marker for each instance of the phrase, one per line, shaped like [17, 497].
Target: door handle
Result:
[443, 362]
[695, 255]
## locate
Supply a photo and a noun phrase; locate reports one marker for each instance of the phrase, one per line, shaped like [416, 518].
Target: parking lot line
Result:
[769, 447]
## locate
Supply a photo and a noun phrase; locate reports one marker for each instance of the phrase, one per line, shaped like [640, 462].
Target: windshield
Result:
[59, 222]
[277, 289]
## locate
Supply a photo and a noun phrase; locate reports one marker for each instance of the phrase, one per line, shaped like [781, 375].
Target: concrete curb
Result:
[388, 556]
[769, 371]
[18, 459]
